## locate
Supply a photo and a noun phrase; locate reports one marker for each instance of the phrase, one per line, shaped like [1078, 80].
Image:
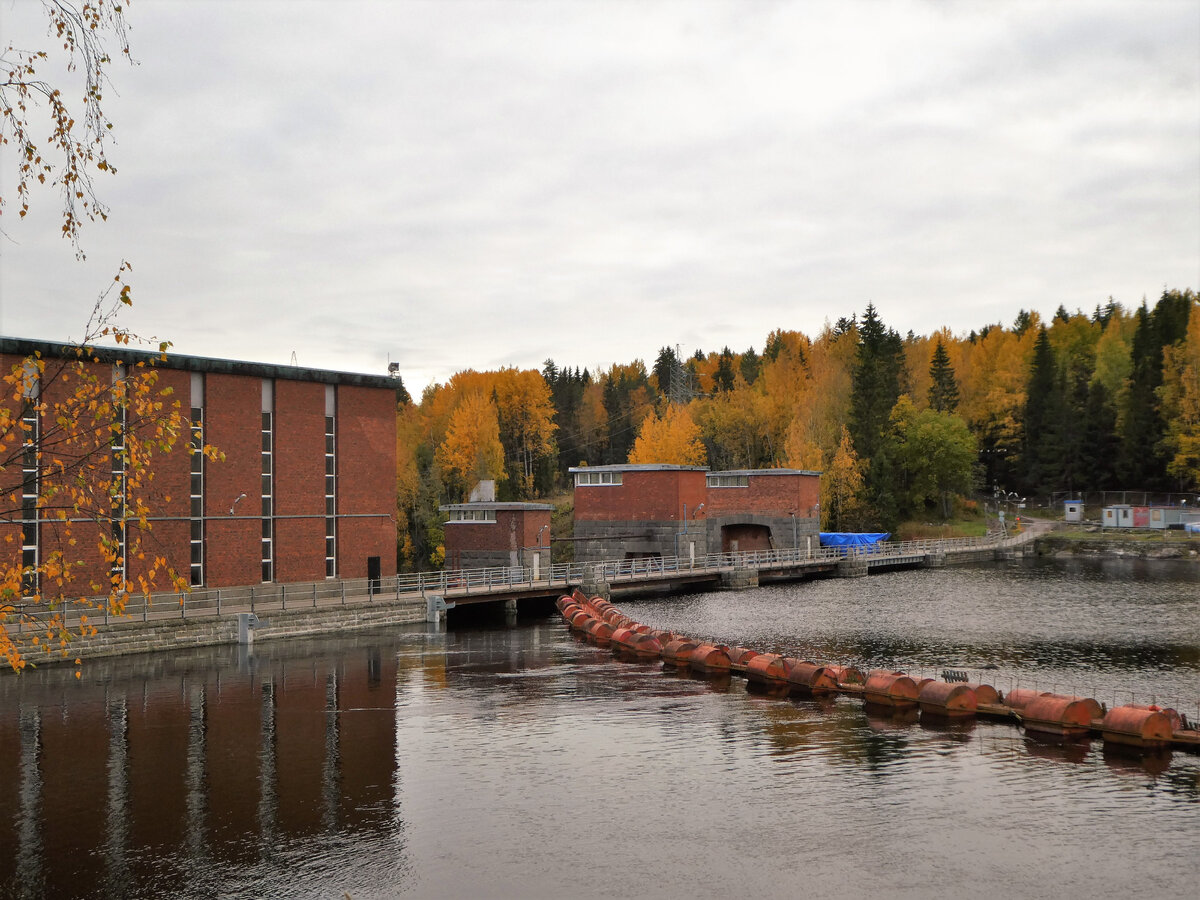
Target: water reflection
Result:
[173, 773]
[462, 762]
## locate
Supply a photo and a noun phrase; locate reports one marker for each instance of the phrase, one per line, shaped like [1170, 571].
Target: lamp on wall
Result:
[240, 498]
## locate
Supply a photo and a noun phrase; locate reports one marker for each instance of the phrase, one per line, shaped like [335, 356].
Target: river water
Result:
[500, 759]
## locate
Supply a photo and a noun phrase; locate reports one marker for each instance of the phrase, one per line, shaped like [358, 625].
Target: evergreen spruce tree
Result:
[723, 377]
[943, 393]
[875, 387]
[1042, 444]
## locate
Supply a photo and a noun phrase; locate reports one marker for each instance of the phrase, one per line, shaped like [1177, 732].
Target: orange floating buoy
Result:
[766, 668]
[846, 675]
[809, 678]
[1172, 715]
[678, 652]
[938, 698]
[890, 689]
[1019, 698]
[579, 618]
[599, 631]
[985, 694]
[739, 657]
[1060, 716]
[709, 659]
[1137, 726]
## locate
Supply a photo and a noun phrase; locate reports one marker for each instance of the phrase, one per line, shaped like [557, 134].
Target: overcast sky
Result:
[455, 185]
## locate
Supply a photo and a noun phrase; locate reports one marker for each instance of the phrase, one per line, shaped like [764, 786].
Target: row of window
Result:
[472, 515]
[724, 481]
[30, 485]
[590, 478]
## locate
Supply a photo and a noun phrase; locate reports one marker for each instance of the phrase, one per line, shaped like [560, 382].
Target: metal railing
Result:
[214, 602]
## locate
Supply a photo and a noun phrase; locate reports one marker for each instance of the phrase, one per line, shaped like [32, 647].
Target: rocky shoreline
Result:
[1116, 546]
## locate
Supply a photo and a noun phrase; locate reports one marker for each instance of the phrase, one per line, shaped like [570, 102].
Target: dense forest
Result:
[901, 426]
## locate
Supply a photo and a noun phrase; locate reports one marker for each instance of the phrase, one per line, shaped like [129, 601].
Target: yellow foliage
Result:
[673, 439]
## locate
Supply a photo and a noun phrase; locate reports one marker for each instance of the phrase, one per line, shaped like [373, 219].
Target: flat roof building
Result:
[488, 534]
[306, 490]
[635, 511]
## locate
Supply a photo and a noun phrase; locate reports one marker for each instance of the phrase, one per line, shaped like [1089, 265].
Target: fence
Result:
[201, 602]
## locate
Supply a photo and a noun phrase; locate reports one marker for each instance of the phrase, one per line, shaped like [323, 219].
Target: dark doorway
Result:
[373, 575]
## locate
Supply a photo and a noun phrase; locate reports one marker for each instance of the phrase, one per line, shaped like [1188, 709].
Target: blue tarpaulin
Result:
[851, 539]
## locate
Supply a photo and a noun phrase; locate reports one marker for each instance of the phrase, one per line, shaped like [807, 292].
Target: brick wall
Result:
[366, 459]
[510, 540]
[779, 494]
[650, 495]
[233, 423]
[299, 481]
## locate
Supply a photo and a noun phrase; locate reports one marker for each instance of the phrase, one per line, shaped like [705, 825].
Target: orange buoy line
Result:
[1038, 712]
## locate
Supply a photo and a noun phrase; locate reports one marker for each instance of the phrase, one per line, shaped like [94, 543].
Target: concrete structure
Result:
[485, 534]
[640, 511]
[306, 490]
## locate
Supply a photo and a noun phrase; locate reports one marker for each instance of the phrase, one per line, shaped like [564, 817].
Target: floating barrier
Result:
[846, 676]
[1060, 716]
[951, 701]
[710, 659]
[1137, 726]
[1019, 698]
[678, 651]
[1041, 713]
[767, 668]
[809, 678]
[739, 658]
[890, 689]
[985, 694]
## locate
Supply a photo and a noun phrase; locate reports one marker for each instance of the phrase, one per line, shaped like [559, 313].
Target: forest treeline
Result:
[901, 426]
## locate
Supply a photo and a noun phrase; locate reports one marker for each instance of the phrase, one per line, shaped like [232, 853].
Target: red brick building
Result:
[306, 491]
[635, 511]
[481, 535]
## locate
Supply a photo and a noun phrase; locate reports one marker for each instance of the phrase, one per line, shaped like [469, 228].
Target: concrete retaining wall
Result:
[124, 638]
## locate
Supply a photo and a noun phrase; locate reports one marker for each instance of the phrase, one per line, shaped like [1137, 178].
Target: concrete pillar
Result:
[935, 559]
[596, 588]
[852, 567]
[739, 579]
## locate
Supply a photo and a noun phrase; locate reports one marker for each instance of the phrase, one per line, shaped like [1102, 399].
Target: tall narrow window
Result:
[268, 480]
[197, 490]
[31, 431]
[330, 481]
[119, 568]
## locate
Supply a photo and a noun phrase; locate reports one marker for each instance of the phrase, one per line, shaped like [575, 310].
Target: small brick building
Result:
[481, 535]
[635, 511]
[306, 491]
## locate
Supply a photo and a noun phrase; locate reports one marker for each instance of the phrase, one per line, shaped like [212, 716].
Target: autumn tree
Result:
[526, 420]
[58, 143]
[1179, 396]
[842, 486]
[471, 451]
[672, 438]
[81, 429]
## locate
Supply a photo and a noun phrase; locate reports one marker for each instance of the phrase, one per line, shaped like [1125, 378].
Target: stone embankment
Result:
[1169, 547]
[123, 637]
